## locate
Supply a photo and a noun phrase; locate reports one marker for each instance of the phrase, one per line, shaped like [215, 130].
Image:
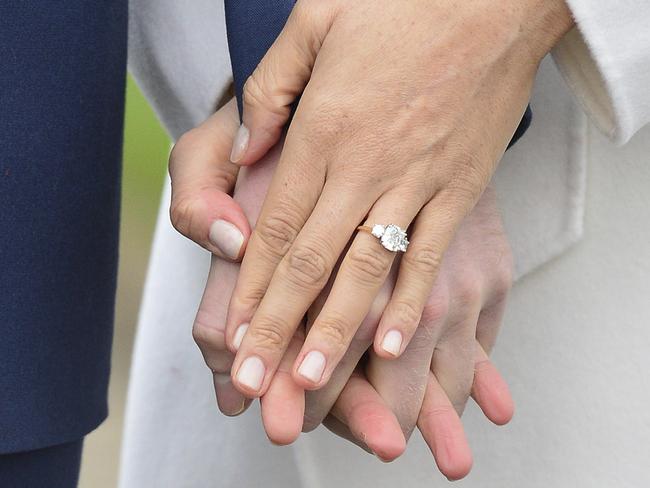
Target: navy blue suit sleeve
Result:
[62, 82]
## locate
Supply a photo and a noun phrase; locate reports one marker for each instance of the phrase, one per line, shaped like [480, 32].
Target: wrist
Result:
[544, 23]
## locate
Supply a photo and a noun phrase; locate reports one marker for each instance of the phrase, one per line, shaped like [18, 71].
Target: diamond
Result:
[393, 238]
[378, 230]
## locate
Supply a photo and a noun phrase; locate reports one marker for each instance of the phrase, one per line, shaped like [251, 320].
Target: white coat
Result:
[575, 345]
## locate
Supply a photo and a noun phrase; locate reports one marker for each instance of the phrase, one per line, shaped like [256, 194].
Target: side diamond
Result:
[378, 230]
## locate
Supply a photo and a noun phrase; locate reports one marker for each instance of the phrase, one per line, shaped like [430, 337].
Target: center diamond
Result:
[394, 239]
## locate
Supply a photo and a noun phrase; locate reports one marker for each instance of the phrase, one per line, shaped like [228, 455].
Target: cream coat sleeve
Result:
[605, 60]
[178, 55]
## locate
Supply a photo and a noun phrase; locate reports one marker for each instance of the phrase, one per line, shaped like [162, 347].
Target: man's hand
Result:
[406, 109]
[447, 357]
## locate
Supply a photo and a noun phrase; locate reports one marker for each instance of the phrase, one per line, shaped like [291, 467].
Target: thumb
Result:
[202, 178]
[279, 79]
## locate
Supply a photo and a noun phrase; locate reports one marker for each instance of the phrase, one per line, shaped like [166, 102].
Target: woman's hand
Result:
[406, 109]
[401, 383]
[202, 179]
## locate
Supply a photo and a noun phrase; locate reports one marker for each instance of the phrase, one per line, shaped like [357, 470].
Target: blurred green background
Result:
[146, 146]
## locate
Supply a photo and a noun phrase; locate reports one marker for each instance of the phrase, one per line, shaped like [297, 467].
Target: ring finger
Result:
[358, 281]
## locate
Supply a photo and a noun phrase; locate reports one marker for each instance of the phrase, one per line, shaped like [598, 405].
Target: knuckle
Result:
[278, 231]
[307, 266]
[182, 212]
[436, 309]
[207, 336]
[211, 342]
[468, 292]
[407, 313]
[314, 15]
[369, 266]
[467, 185]
[247, 295]
[431, 415]
[254, 92]
[269, 333]
[425, 260]
[261, 92]
[335, 330]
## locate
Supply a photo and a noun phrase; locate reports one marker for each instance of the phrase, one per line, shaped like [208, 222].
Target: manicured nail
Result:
[312, 366]
[239, 335]
[251, 373]
[392, 342]
[240, 144]
[226, 237]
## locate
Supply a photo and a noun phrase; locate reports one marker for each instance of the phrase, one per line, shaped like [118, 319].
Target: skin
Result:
[377, 403]
[406, 132]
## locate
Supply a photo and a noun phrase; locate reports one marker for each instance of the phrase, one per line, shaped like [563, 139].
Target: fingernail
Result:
[312, 366]
[226, 237]
[251, 373]
[239, 335]
[240, 144]
[230, 400]
[392, 342]
[240, 410]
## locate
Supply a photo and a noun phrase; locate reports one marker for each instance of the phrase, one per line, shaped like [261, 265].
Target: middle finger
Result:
[359, 279]
[297, 280]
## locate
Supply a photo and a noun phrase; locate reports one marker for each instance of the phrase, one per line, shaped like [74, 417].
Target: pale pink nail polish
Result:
[312, 366]
[240, 144]
[239, 336]
[227, 238]
[251, 373]
[392, 342]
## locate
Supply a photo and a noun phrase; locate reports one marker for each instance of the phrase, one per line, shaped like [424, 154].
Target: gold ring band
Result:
[391, 236]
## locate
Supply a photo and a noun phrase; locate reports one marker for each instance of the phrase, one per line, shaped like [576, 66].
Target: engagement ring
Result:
[391, 236]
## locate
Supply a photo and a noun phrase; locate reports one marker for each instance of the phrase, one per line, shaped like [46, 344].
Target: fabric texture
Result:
[178, 56]
[51, 467]
[570, 334]
[606, 62]
[61, 104]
